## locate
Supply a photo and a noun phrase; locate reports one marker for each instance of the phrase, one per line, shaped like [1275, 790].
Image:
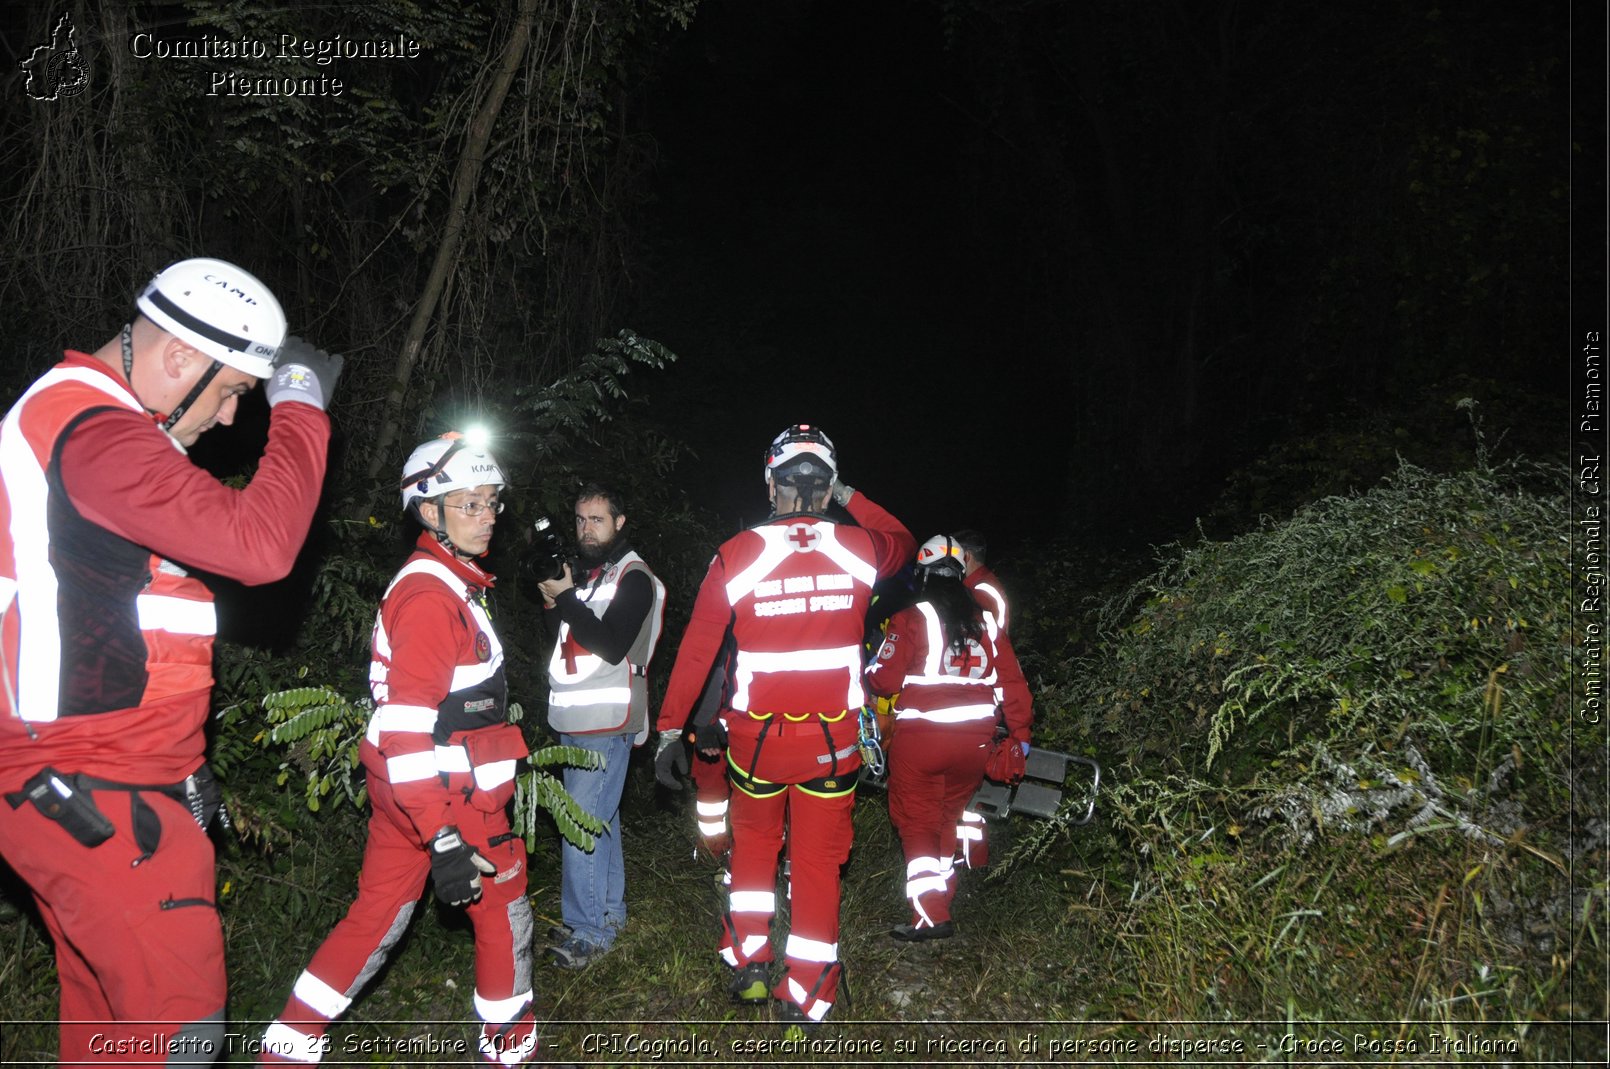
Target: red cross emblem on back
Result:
[802, 538]
[967, 663]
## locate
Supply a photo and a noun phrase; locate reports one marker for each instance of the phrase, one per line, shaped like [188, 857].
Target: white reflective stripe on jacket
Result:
[588, 695]
[749, 663]
[418, 719]
[31, 588]
[913, 704]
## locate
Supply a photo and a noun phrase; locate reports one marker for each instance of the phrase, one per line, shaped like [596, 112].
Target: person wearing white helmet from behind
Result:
[951, 672]
[106, 640]
[793, 593]
[440, 757]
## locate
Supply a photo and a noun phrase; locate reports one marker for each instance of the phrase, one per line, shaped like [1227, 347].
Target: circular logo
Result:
[802, 537]
[483, 647]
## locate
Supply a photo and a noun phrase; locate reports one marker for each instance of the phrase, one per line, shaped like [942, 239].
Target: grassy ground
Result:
[1348, 817]
[1360, 956]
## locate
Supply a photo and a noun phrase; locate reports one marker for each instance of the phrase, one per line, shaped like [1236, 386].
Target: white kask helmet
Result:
[221, 309]
[445, 464]
[801, 452]
[942, 555]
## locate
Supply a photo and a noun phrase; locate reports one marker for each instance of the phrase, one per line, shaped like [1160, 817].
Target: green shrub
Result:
[1329, 737]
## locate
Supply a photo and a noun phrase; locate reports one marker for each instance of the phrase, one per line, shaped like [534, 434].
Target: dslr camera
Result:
[548, 553]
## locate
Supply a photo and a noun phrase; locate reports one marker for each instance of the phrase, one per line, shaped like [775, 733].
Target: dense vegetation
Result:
[1368, 831]
[1343, 800]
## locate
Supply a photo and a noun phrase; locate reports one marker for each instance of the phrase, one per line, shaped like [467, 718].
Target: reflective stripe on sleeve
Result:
[494, 775]
[411, 767]
[387, 718]
[452, 759]
[177, 616]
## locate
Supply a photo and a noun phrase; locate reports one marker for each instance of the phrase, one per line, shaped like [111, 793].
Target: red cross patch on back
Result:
[802, 537]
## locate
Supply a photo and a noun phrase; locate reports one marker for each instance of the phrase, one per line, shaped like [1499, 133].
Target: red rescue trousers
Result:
[396, 868]
[139, 949]
[799, 779]
[933, 771]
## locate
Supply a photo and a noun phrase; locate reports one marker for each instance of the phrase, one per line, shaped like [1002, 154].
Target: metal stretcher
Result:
[1039, 794]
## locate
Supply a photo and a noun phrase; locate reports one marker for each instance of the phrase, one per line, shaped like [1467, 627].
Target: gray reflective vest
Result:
[590, 696]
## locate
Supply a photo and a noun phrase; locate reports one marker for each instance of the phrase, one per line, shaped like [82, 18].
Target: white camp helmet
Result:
[801, 452]
[942, 554]
[223, 310]
[445, 464]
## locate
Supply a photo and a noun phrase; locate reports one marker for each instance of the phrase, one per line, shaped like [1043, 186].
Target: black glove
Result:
[456, 868]
[303, 373]
[671, 760]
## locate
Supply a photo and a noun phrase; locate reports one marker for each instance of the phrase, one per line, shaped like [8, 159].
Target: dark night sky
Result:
[812, 268]
[819, 254]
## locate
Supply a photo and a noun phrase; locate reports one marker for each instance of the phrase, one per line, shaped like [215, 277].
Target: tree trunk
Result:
[465, 178]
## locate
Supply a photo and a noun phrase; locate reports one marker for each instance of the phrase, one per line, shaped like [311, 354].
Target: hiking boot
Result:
[576, 953]
[751, 984]
[910, 933]
[797, 1024]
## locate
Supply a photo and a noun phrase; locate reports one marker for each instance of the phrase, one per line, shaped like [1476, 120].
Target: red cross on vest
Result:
[965, 662]
[804, 537]
[570, 649]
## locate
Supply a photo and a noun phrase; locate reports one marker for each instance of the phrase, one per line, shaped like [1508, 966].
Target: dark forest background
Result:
[1070, 263]
[1245, 279]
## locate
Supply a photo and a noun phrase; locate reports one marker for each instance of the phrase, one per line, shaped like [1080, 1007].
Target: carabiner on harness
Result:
[870, 742]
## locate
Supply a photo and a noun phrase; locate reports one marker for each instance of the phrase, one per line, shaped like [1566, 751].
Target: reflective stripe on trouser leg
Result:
[501, 916]
[757, 825]
[974, 849]
[928, 886]
[820, 833]
[297, 1035]
[509, 1034]
[395, 868]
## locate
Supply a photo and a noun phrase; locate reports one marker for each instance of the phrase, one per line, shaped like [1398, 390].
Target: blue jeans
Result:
[593, 886]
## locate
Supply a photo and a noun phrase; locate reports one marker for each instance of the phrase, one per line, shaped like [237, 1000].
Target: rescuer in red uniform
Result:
[794, 592]
[440, 758]
[944, 660]
[972, 833]
[106, 642]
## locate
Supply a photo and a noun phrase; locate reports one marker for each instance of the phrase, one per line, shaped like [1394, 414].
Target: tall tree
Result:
[465, 179]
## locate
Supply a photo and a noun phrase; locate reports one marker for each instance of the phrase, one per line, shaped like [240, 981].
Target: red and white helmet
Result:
[223, 310]
[442, 465]
[801, 452]
[942, 554]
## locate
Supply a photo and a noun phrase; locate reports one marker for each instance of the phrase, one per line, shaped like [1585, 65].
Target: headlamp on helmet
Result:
[445, 464]
[220, 309]
[941, 555]
[801, 455]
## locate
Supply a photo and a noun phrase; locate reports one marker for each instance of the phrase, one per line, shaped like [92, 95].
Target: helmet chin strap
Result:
[166, 422]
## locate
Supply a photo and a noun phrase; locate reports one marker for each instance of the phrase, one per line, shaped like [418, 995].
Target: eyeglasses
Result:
[473, 509]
